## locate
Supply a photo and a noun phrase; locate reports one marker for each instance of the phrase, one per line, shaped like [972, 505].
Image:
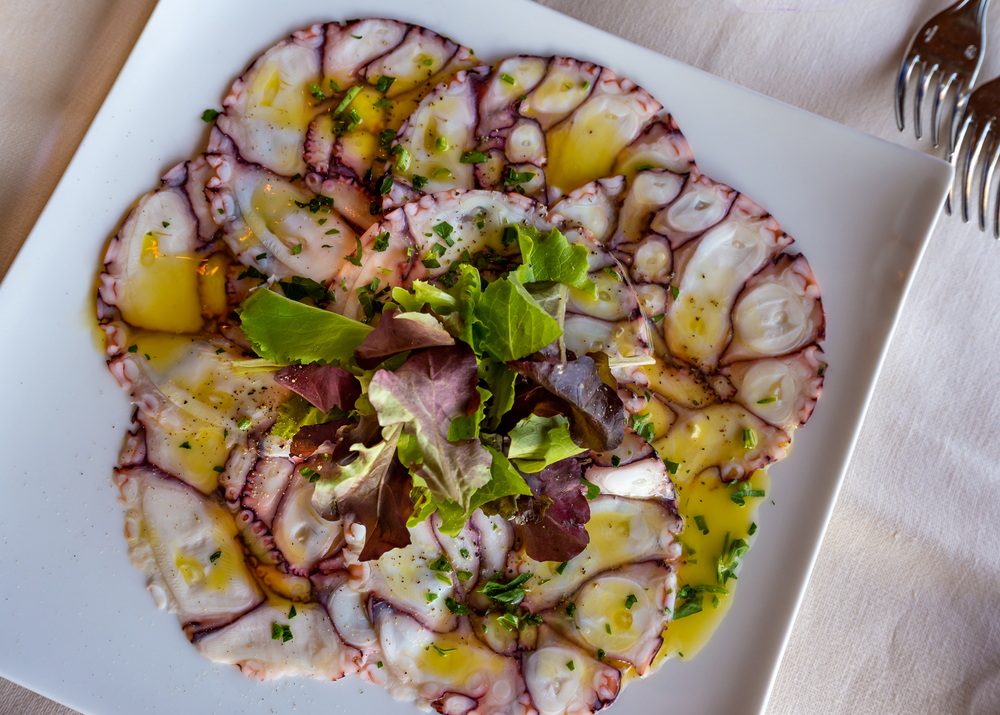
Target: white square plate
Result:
[75, 621]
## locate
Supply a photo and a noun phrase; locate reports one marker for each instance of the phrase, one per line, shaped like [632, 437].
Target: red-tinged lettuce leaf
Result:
[311, 437]
[553, 523]
[285, 331]
[574, 389]
[323, 386]
[398, 332]
[334, 450]
[429, 390]
[295, 413]
[372, 490]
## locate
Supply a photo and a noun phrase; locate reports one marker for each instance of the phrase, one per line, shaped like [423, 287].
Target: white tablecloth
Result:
[902, 614]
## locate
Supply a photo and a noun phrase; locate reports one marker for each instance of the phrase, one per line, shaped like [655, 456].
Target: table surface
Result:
[901, 614]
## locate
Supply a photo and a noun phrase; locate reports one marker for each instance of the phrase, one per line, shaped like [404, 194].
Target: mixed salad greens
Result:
[451, 398]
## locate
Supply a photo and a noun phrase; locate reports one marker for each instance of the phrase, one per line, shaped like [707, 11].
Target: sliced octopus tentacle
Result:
[702, 204]
[312, 648]
[782, 391]
[186, 545]
[600, 620]
[661, 146]
[269, 108]
[621, 531]
[778, 312]
[590, 685]
[454, 672]
[711, 273]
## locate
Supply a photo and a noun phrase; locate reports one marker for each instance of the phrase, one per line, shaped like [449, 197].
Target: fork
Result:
[951, 46]
[980, 119]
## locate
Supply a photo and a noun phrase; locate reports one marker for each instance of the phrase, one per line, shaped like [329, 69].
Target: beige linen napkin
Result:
[902, 614]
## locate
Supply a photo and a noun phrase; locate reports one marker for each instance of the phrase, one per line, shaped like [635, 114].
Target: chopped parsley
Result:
[456, 607]
[316, 92]
[643, 425]
[473, 157]
[631, 601]
[516, 178]
[593, 491]
[615, 460]
[280, 632]
[220, 470]
[739, 496]
[383, 83]
[209, 115]
[672, 467]
[674, 292]
[244, 424]
[561, 567]
[700, 523]
[381, 242]
[570, 665]
[215, 557]
[419, 181]
[356, 258]
[297, 249]
[431, 596]
[749, 438]
[133, 348]
[507, 78]
[768, 400]
[311, 474]
[292, 612]
[185, 445]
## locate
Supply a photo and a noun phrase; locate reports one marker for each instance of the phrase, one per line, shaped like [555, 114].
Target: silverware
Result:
[951, 46]
[981, 120]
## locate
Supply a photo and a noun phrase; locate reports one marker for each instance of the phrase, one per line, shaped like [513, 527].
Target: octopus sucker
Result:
[351, 46]
[594, 206]
[563, 678]
[565, 86]
[702, 204]
[661, 146]
[782, 391]
[510, 79]
[622, 613]
[779, 311]
[356, 160]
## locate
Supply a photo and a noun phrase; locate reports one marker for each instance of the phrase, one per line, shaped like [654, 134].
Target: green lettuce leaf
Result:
[500, 380]
[516, 324]
[536, 442]
[467, 426]
[504, 482]
[456, 306]
[431, 389]
[285, 331]
[551, 257]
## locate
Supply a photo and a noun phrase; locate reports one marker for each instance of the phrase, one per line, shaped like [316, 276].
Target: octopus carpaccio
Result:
[338, 155]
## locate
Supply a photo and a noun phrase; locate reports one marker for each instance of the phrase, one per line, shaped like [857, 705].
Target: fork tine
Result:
[996, 216]
[942, 90]
[957, 115]
[971, 159]
[986, 180]
[922, 83]
[904, 78]
[953, 159]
